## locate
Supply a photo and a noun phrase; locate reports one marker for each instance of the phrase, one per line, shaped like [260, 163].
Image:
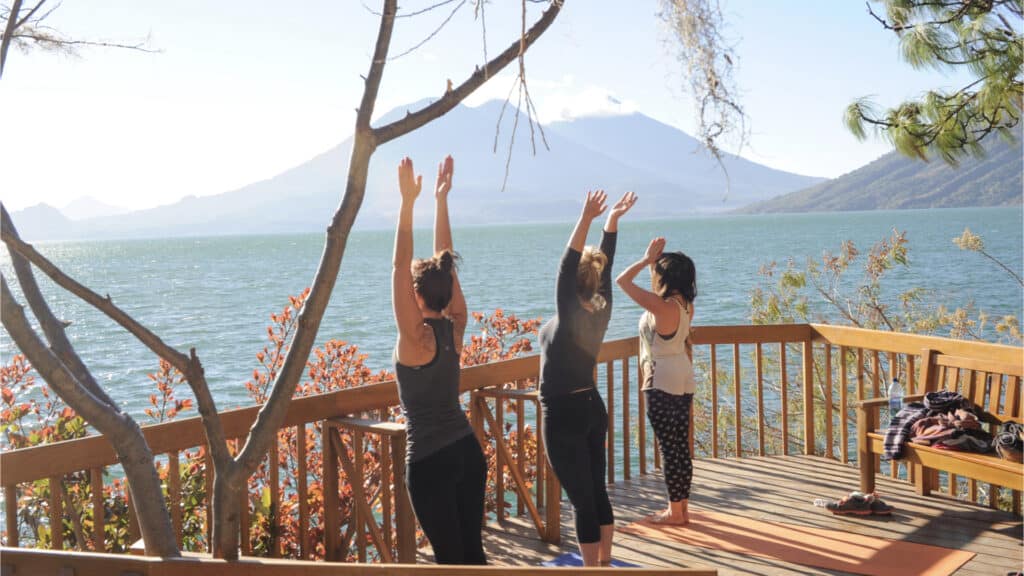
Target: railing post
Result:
[331, 521]
[865, 462]
[405, 522]
[808, 390]
[11, 514]
[56, 513]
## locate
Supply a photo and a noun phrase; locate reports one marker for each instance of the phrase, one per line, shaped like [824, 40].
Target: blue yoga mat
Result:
[574, 559]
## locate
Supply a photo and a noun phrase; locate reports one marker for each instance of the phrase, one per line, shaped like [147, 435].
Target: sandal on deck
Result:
[878, 506]
[856, 504]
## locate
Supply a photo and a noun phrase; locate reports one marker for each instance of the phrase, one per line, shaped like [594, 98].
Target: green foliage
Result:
[894, 181]
[981, 36]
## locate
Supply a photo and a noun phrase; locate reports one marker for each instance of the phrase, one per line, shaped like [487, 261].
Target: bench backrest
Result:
[995, 387]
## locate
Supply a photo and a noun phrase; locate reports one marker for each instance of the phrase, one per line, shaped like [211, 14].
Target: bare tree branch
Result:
[190, 365]
[430, 8]
[124, 433]
[9, 28]
[28, 30]
[451, 98]
[52, 327]
[432, 34]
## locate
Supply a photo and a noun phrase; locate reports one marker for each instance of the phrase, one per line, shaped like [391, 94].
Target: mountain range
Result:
[894, 181]
[669, 170]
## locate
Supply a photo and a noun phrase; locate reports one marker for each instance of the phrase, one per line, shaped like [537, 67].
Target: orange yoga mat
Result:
[829, 549]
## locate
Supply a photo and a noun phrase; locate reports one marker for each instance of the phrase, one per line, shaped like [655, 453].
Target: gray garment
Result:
[429, 395]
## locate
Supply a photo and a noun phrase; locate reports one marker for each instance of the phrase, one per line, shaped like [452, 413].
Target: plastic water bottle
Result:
[895, 399]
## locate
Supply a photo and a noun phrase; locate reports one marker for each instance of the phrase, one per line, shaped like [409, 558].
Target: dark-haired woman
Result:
[666, 362]
[445, 467]
[575, 419]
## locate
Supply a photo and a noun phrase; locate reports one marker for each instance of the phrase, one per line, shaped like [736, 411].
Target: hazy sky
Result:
[243, 90]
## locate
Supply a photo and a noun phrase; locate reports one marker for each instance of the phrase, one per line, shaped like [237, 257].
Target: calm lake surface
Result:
[216, 294]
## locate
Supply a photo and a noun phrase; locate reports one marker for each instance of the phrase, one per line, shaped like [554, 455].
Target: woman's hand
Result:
[408, 183]
[445, 170]
[654, 250]
[594, 205]
[622, 206]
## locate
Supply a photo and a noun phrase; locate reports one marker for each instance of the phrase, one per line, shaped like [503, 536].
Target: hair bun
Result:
[446, 260]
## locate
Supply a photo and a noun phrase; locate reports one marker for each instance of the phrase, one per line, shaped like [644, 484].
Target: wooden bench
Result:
[994, 388]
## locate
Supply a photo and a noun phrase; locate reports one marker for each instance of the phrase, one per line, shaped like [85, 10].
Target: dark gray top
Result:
[570, 341]
[429, 395]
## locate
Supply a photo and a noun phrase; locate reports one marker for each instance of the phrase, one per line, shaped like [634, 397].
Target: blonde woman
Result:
[575, 419]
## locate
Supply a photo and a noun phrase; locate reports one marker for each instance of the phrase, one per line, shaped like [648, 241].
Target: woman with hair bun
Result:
[666, 363]
[445, 467]
[575, 423]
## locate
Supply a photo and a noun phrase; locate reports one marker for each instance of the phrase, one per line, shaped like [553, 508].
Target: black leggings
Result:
[670, 416]
[447, 493]
[575, 430]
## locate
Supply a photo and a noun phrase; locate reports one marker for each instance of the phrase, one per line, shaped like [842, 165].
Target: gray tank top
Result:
[429, 395]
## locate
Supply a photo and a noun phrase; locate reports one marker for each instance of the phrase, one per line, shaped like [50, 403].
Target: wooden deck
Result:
[780, 489]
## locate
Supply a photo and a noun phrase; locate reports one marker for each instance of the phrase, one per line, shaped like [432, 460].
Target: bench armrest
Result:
[876, 403]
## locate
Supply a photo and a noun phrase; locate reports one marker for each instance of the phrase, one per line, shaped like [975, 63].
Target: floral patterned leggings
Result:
[670, 416]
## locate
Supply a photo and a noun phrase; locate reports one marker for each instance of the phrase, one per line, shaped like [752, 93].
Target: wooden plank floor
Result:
[779, 489]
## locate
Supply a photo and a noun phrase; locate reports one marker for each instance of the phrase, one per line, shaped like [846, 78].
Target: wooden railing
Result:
[763, 390]
[63, 563]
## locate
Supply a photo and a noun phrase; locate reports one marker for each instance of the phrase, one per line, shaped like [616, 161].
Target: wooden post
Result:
[358, 494]
[56, 513]
[865, 462]
[829, 440]
[714, 404]
[784, 372]
[759, 370]
[808, 398]
[641, 414]
[274, 467]
[173, 494]
[609, 372]
[844, 397]
[737, 386]
[11, 514]
[499, 458]
[303, 491]
[405, 521]
[626, 464]
[332, 526]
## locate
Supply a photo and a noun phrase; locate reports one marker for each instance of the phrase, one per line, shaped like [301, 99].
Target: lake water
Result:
[217, 293]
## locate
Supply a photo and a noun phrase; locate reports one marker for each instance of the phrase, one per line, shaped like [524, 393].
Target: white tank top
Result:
[664, 361]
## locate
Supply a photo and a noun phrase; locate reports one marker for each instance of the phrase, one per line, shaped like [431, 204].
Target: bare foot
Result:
[666, 518]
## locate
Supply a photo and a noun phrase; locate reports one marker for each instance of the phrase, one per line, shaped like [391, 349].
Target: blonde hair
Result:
[588, 276]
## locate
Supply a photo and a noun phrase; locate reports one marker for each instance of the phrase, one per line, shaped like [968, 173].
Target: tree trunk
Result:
[229, 489]
[146, 492]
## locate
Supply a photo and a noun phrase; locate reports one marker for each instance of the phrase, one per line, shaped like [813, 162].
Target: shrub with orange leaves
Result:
[274, 526]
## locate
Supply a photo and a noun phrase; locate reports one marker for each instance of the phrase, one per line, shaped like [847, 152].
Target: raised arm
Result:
[666, 314]
[609, 240]
[408, 318]
[565, 286]
[443, 241]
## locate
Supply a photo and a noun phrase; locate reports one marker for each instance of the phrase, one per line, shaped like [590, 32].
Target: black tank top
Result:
[429, 395]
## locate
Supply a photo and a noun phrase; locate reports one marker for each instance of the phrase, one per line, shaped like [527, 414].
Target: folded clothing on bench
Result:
[942, 402]
[959, 430]
[1009, 442]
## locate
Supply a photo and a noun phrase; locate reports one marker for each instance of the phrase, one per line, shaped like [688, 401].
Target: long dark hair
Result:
[676, 275]
[432, 279]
